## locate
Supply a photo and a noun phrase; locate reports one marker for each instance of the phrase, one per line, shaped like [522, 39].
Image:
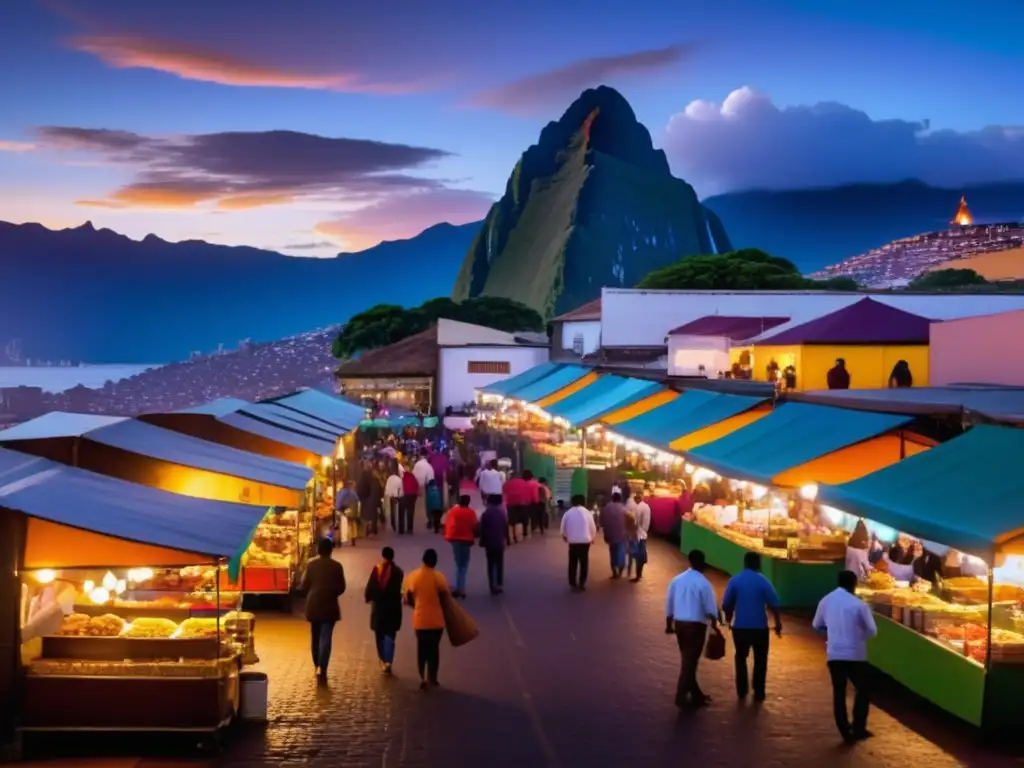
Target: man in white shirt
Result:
[578, 531]
[490, 481]
[393, 492]
[847, 623]
[689, 608]
[638, 549]
[423, 472]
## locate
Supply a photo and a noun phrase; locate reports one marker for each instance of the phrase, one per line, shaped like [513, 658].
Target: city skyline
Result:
[332, 126]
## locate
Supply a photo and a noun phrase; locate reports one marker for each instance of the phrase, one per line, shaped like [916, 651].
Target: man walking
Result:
[689, 608]
[748, 597]
[638, 544]
[493, 538]
[847, 624]
[578, 531]
[613, 523]
[407, 509]
[517, 501]
[460, 530]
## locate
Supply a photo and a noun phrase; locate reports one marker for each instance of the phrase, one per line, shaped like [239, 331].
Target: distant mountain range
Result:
[95, 295]
[815, 228]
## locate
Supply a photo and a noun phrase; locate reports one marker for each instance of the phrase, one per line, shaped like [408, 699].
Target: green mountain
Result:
[591, 204]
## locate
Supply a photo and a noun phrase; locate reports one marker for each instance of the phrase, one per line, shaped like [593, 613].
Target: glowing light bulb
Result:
[88, 586]
[809, 492]
[100, 595]
[688, 469]
[45, 576]
[120, 587]
[109, 581]
[757, 492]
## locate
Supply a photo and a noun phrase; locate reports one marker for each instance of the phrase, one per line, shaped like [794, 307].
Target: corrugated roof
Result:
[606, 394]
[791, 435]
[915, 495]
[520, 380]
[217, 408]
[997, 403]
[414, 356]
[317, 445]
[320, 405]
[864, 322]
[589, 311]
[287, 419]
[551, 383]
[732, 327]
[691, 412]
[68, 496]
[162, 444]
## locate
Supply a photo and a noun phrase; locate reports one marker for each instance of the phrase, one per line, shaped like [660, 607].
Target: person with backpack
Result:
[410, 492]
[434, 505]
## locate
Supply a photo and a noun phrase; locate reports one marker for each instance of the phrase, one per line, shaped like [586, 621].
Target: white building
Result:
[577, 334]
[984, 348]
[703, 347]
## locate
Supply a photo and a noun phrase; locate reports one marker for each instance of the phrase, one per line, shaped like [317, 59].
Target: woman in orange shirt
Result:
[424, 591]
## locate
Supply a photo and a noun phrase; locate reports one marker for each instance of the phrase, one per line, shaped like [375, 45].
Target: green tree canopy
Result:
[944, 279]
[748, 269]
[386, 324]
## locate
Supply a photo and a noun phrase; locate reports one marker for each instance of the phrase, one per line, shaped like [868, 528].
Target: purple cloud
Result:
[748, 142]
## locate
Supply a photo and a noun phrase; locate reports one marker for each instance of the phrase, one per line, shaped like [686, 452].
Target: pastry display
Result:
[151, 628]
[198, 628]
[880, 580]
[80, 625]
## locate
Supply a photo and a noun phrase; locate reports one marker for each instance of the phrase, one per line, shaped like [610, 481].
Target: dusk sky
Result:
[313, 126]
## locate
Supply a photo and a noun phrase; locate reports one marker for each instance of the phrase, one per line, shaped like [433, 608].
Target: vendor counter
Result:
[799, 584]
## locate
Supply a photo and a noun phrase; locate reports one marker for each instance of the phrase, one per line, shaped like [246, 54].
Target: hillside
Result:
[994, 267]
[98, 296]
[815, 228]
[591, 204]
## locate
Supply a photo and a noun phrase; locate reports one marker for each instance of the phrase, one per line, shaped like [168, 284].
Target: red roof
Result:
[734, 327]
[589, 311]
[864, 322]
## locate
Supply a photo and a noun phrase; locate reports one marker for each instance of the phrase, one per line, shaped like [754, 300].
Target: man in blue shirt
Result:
[748, 597]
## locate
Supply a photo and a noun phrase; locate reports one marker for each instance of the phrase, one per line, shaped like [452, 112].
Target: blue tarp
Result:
[217, 408]
[965, 493]
[320, 405]
[319, 445]
[692, 411]
[161, 444]
[520, 380]
[289, 419]
[550, 384]
[606, 394]
[791, 435]
[50, 491]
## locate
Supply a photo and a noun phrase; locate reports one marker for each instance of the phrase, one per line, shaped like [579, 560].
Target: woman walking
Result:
[384, 594]
[425, 588]
[323, 583]
[434, 505]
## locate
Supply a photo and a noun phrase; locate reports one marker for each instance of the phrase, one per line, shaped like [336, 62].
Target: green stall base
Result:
[930, 670]
[1003, 714]
[579, 484]
[798, 584]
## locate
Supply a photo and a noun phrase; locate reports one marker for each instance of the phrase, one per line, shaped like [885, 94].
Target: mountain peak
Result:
[86, 227]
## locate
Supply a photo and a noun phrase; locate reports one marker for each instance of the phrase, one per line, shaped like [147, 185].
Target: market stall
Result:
[750, 510]
[117, 629]
[957, 641]
[328, 409]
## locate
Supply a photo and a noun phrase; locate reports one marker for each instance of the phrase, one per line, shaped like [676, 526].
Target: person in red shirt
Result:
[410, 492]
[517, 502]
[532, 521]
[461, 528]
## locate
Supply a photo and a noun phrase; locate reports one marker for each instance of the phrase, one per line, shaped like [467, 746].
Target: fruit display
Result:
[151, 628]
[880, 580]
[257, 556]
[80, 625]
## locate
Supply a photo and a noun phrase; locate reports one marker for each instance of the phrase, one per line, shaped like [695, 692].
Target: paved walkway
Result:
[560, 680]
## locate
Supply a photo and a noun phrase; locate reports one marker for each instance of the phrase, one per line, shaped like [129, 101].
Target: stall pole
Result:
[988, 640]
[583, 447]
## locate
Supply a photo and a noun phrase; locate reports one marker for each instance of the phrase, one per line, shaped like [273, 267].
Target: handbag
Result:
[460, 625]
[715, 647]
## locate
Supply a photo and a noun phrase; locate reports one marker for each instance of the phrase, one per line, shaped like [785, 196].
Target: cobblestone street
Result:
[562, 680]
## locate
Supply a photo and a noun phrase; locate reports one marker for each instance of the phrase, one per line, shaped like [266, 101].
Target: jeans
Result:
[579, 564]
[495, 568]
[321, 636]
[856, 672]
[385, 647]
[428, 653]
[460, 552]
[747, 640]
[636, 554]
[617, 557]
[690, 635]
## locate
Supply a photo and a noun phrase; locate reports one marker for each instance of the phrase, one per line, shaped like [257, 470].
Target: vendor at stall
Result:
[857, 551]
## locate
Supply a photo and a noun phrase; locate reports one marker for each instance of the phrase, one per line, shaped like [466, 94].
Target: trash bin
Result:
[253, 697]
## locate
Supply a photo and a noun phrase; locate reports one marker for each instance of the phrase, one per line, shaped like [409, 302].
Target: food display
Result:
[151, 627]
[166, 668]
[81, 625]
[772, 532]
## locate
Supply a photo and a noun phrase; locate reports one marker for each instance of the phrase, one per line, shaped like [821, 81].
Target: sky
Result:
[317, 126]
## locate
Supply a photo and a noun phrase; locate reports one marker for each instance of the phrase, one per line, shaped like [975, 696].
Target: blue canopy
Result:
[554, 381]
[327, 408]
[606, 394]
[162, 444]
[232, 412]
[965, 493]
[505, 386]
[791, 435]
[692, 411]
[68, 496]
[289, 419]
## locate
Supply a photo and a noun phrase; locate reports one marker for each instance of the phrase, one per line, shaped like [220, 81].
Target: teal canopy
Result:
[692, 411]
[520, 380]
[606, 394]
[791, 435]
[554, 381]
[398, 422]
[965, 493]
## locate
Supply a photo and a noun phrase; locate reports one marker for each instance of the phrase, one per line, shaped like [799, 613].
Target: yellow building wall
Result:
[564, 392]
[784, 356]
[869, 365]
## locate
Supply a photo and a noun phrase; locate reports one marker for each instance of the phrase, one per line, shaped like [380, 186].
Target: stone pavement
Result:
[562, 680]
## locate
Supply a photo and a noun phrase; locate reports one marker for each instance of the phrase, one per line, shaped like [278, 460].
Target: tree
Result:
[386, 324]
[945, 279]
[748, 269]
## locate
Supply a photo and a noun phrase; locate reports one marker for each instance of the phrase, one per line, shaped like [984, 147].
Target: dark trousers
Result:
[435, 520]
[579, 564]
[394, 507]
[857, 673]
[428, 653]
[321, 635]
[518, 515]
[747, 640]
[691, 636]
[495, 568]
[406, 512]
[537, 517]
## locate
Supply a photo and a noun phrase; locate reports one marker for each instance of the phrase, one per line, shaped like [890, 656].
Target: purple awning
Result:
[864, 322]
[733, 327]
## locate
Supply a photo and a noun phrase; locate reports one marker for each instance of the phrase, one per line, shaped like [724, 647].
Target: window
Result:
[489, 367]
[577, 344]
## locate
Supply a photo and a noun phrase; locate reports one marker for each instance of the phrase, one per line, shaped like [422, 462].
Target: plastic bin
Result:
[253, 697]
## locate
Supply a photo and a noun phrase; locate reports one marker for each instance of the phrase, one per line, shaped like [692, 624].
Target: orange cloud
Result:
[191, 63]
[16, 146]
[154, 196]
[247, 202]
